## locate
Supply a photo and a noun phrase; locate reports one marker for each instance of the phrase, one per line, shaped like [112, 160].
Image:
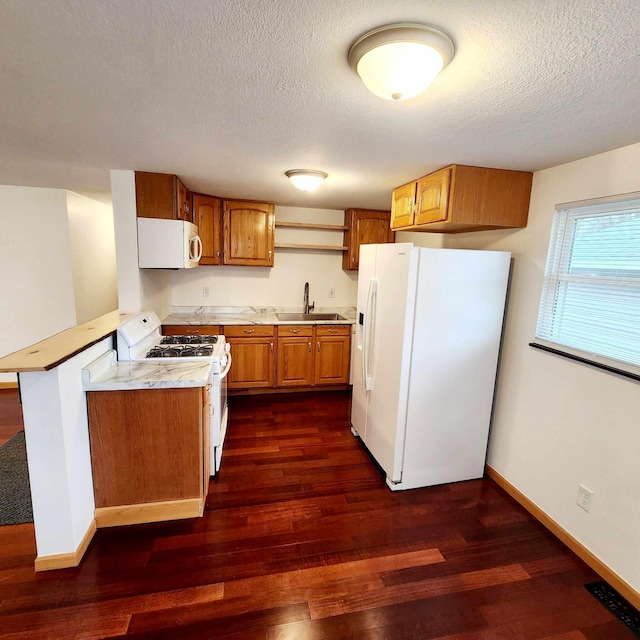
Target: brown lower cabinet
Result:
[333, 354]
[313, 355]
[253, 353]
[149, 454]
[268, 356]
[295, 356]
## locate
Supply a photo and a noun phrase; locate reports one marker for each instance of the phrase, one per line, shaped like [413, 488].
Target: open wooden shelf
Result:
[317, 247]
[304, 225]
[310, 247]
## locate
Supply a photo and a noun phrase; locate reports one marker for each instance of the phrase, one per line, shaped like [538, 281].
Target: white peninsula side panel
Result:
[57, 436]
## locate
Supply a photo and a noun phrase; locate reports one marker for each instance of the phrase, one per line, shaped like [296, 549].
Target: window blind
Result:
[591, 294]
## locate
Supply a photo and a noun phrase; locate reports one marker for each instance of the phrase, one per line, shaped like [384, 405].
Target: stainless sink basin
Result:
[309, 317]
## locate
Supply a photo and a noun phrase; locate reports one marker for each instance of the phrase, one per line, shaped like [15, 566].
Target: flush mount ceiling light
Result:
[399, 61]
[306, 179]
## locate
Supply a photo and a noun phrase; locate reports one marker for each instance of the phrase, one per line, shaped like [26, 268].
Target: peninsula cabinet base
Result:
[148, 512]
[149, 454]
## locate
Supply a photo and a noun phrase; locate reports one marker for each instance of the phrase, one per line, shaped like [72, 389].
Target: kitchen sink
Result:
[309, 317]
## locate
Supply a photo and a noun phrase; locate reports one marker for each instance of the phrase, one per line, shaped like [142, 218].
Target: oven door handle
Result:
[223, 374]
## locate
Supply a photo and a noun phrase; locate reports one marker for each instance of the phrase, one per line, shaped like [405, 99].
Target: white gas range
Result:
[139, 340]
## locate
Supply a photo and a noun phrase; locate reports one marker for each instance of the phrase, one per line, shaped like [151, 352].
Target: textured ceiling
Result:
[229, 95]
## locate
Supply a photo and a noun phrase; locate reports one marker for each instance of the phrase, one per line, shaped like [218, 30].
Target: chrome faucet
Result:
[308, 308]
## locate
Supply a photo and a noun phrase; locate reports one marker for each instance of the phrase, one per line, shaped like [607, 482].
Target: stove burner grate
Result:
[189, 340]
[180, 351]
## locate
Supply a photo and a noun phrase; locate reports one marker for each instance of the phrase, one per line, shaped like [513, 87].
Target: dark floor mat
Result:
[623, 610]
[15, 494]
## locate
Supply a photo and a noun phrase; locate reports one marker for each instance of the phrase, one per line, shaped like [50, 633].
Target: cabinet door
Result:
[156, 195]
[402, 202]
[295, 362]
[253, 363]
[207, 215]
[248, 233]
[333, 355]
[146, 446]
[432, 196]
[183, 206]
[366, 226]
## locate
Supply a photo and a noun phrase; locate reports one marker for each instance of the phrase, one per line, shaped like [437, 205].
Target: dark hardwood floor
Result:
[302, 540]
[10, 414]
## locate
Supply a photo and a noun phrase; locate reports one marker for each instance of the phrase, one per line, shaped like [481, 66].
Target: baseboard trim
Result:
[261, 391]
[607, 574]
[8, 385]
[148, 512]
[66, 560]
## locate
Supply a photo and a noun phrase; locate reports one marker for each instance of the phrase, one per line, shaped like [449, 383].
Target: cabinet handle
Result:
[294, 330]
[333, 331]
[249, 331]
[192, 332]
[271, 345]
[353, 258]
[318, 346]
[309, 346]
[218, 253]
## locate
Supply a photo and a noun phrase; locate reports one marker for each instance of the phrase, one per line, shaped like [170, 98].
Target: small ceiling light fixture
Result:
[399, 61]
[306, 179]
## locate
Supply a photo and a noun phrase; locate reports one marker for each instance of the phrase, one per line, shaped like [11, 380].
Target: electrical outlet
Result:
[332, 292]
[584, 498]
[205, 292]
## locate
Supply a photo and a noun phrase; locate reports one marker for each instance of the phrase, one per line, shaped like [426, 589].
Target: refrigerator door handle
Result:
[363, 345]
[370, 333]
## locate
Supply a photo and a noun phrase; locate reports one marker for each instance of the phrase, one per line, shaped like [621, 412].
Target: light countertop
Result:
[250, 315]
[108, 374]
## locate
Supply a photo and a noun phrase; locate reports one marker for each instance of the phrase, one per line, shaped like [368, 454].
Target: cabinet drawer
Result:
[302, 331]
[333, 330]
[190, 330]
[249, 331]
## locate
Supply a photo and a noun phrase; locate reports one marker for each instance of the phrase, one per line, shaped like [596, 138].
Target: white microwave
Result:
[168, 244]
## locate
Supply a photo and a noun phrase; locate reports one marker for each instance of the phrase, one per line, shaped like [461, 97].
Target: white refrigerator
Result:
[429, 323]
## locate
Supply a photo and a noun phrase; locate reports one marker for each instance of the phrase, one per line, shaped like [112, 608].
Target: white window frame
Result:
[557, 275]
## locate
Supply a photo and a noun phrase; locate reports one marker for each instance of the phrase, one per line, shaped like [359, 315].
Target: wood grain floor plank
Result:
[417, 590]
[10, 415]
[182, 625]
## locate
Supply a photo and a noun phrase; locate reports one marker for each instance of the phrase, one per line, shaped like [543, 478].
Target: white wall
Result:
[57, 259]
[282, 285]
[138, 289]
[558, 423]
[93, 257]
[36, 287]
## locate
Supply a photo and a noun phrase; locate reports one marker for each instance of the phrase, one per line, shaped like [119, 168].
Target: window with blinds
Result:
[591, 295]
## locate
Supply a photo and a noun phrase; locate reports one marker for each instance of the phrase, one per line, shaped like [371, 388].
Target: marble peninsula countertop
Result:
[108, 374]
[251, 315]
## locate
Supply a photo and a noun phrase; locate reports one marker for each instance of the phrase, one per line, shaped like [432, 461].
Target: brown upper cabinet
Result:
[461, 198]
[364, 226]
[248, 233]
[207, 215]
[162, 195]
